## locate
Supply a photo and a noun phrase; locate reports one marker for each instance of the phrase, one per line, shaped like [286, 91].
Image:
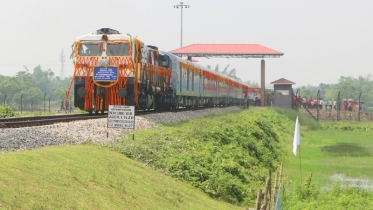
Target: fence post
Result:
[281, 166]
[21, 102]
[359, 106]
[4, 99]
[317, 105]
[339, 106]
[258, 200]
[275, 186]
[44, 101]
[267, 195]
[49, 101]
[32, 105]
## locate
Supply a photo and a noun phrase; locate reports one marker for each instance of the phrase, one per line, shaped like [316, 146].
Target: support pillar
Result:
[262, 85]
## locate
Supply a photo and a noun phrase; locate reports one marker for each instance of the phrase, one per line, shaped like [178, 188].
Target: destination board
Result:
[121, 116]
[105, 73]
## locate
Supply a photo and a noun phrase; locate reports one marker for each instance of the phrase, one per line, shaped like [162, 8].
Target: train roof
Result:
[97, 37]
[111, 33]
[204, 68]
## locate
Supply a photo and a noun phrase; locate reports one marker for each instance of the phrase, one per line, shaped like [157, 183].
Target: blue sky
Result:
[321, 40]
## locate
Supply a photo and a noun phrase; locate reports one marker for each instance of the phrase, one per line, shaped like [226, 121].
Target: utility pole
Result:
[62, 60]
[181, 6]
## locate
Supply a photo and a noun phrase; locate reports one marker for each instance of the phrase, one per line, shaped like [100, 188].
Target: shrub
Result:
[226, 156]
[6, 111]
[338, 197]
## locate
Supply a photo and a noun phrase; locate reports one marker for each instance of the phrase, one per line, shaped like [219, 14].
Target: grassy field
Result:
[328, 150]
[91, 177]
[226, 156]
[328, 154]
[339, 157]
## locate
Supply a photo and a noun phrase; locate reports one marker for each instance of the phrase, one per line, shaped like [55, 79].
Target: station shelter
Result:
[283, 93]
[232, 51]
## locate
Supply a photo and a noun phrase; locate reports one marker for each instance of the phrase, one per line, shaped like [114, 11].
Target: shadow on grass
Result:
[346, 149]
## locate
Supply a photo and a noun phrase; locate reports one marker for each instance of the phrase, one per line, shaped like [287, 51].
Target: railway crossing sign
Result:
[105, 73]
[121, 116]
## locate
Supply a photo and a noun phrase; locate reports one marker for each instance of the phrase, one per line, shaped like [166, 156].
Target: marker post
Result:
[120, 116]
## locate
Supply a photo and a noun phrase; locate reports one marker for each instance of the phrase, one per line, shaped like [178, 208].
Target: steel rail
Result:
[17, 119]
[48, 121]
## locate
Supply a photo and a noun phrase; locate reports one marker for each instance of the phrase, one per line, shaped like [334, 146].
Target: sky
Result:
[321, 40]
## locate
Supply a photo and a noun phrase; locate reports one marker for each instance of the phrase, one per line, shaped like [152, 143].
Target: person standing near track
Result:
[67, 104]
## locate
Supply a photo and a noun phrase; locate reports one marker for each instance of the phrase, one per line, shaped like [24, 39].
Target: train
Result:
[111, 68]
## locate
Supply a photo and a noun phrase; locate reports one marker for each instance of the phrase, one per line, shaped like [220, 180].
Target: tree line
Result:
[32, 86]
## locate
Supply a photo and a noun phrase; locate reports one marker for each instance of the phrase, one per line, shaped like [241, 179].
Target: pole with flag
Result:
[296, 143]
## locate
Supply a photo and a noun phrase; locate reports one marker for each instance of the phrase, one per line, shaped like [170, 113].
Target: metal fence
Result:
[278, 202]
[338, 109]
[44, 104]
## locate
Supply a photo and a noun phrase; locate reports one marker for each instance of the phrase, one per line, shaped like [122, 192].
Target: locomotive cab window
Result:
[164, 63]
[91, 49]
[117, 49]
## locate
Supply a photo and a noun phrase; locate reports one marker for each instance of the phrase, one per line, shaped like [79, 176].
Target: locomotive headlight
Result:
[103, 61]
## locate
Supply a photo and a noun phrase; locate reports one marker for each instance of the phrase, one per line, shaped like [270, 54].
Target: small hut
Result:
[283, 93]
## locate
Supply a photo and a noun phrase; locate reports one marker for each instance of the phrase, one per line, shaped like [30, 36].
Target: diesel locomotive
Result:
[111, 68]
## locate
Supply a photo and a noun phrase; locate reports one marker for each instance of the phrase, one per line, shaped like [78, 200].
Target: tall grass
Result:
[226, 156]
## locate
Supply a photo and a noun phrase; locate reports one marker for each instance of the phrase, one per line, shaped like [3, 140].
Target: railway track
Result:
[18, 122]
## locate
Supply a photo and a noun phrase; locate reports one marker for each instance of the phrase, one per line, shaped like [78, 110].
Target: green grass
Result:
[291, 114]
[91, 177]
[341, 167]
[328, 152]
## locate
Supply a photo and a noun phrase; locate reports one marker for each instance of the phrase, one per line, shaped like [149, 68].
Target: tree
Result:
[60, 94]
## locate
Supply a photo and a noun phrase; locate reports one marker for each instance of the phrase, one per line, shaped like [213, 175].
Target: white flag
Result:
[296, 140]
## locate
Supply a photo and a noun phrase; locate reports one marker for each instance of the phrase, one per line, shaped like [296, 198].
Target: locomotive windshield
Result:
[113, 49]
[91, 49]
[117, 49]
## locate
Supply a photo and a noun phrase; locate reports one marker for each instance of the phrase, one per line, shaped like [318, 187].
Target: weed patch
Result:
[346, 149]
[226, 156]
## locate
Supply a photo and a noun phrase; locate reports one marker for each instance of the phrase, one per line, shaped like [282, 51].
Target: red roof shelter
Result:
[227, 50]
[283, 93]
[283, 81]
[231, 51]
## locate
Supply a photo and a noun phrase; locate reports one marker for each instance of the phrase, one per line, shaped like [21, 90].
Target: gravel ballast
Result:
[77, 132]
